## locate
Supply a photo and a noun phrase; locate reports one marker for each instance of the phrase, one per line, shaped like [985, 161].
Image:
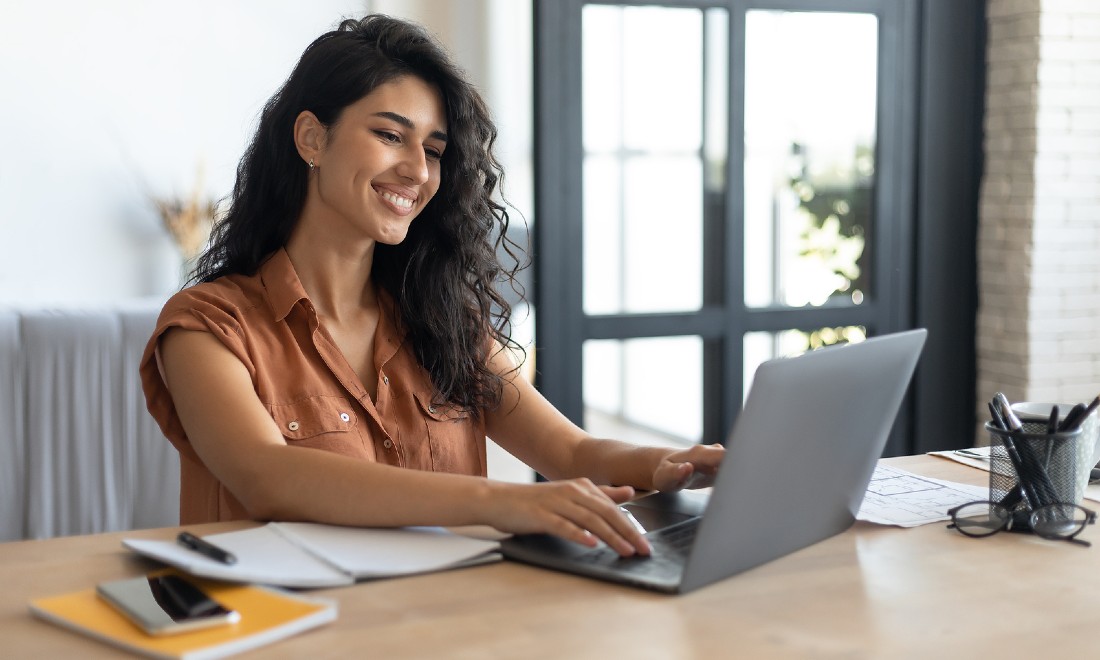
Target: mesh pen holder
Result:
[1052, 465]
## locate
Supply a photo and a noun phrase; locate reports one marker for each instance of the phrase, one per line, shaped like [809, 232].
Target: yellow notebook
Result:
[267, 615]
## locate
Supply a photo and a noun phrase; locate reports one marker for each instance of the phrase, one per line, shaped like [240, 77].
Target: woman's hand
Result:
[574, 509]
[695, 467]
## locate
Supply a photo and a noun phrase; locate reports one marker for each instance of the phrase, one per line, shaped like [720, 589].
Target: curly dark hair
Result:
[443, 277]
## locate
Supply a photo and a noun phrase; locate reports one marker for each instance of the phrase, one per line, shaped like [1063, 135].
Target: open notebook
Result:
[310, 555]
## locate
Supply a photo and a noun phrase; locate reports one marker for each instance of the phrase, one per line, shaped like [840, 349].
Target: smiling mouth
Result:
[396, 200]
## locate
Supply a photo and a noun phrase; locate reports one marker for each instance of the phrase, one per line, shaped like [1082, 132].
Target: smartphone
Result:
[165, 604]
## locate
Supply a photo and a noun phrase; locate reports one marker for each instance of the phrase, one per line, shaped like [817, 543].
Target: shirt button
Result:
[293, 426]
[346, 417]
[388, 444]
[385, 380]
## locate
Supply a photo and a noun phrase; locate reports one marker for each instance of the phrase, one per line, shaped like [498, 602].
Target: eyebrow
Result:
[408, 123]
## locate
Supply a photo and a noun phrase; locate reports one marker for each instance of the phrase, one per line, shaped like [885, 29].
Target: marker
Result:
[205, 548]
[1027, 487]
[1009, 420]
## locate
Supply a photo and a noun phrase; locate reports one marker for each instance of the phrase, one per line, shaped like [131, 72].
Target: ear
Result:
[309, 136]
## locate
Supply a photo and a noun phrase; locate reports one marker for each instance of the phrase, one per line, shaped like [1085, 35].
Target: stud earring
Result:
[311, 165]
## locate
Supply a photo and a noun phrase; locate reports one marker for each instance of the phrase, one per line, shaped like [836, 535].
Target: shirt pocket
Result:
[313, 417]
[456, 438]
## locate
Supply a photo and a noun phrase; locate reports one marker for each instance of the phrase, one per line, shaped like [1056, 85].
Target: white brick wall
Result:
[1039, 217]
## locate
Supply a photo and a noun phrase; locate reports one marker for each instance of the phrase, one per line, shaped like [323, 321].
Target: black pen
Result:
[1073, 419]
[1089, 409]
[1039, 487]
[1078, 415]
[1023, 475]
[205, 548]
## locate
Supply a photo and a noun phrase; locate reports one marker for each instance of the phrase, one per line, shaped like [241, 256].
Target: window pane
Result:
[603, 235]
[644, 143]
[601, 77]
[644, 390]
[642, 251]
[624, 51]
[763, 346]
[716, 93]
[810, 103]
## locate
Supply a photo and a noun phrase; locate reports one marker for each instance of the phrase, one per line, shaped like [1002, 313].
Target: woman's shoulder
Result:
[227, 297]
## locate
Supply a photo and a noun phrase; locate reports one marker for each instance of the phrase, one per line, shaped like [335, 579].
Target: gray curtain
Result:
[85, 456]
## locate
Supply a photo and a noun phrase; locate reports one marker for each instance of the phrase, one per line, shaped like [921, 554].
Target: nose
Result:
[414, 165]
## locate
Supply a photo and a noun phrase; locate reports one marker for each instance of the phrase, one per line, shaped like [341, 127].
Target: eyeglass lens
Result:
[1058, 521]
[981, 518]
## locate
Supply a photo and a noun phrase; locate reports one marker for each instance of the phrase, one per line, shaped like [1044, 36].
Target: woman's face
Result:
[380, 164]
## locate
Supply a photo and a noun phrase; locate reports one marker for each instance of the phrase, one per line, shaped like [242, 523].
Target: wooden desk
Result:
[872, 592]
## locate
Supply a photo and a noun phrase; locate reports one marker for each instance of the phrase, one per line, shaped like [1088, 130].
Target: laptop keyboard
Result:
[670, 547]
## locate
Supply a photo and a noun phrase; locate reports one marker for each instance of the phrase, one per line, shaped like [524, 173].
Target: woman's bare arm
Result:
[240, 444]
[534, 431]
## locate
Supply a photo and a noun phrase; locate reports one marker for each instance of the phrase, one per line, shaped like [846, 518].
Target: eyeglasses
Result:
[1060, 521]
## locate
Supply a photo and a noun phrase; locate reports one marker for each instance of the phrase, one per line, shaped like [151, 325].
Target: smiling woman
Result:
[341, 355]
[378, 167]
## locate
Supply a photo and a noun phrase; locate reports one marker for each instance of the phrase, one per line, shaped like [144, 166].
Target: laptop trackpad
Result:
[659, 510]
[654, 511]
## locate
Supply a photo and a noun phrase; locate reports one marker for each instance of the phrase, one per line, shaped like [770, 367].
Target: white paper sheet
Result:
[904, 499]
[366, 553]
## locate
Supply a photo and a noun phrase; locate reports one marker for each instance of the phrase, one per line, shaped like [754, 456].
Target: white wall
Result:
[103, 103]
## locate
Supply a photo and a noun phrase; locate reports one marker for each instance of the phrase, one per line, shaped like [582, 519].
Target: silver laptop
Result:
[797, 465]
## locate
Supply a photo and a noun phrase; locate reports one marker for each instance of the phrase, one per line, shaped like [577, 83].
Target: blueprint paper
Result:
[904, 499]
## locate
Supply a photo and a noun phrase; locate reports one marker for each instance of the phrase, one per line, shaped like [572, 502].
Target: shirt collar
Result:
[389, 335]
[281, 284]
[284, 290]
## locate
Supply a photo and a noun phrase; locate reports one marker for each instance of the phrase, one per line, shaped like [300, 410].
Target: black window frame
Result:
[928, 161]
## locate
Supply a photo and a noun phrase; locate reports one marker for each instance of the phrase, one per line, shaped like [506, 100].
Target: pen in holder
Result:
[1046, 466]
[1088, 445]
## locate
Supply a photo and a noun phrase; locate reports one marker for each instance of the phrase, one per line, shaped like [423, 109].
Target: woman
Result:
[342, 328]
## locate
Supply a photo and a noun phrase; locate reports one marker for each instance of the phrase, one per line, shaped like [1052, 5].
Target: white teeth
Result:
[397, 200]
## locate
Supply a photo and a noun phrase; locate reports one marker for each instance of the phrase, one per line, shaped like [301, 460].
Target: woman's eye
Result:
[434, 154]
[392, 138]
